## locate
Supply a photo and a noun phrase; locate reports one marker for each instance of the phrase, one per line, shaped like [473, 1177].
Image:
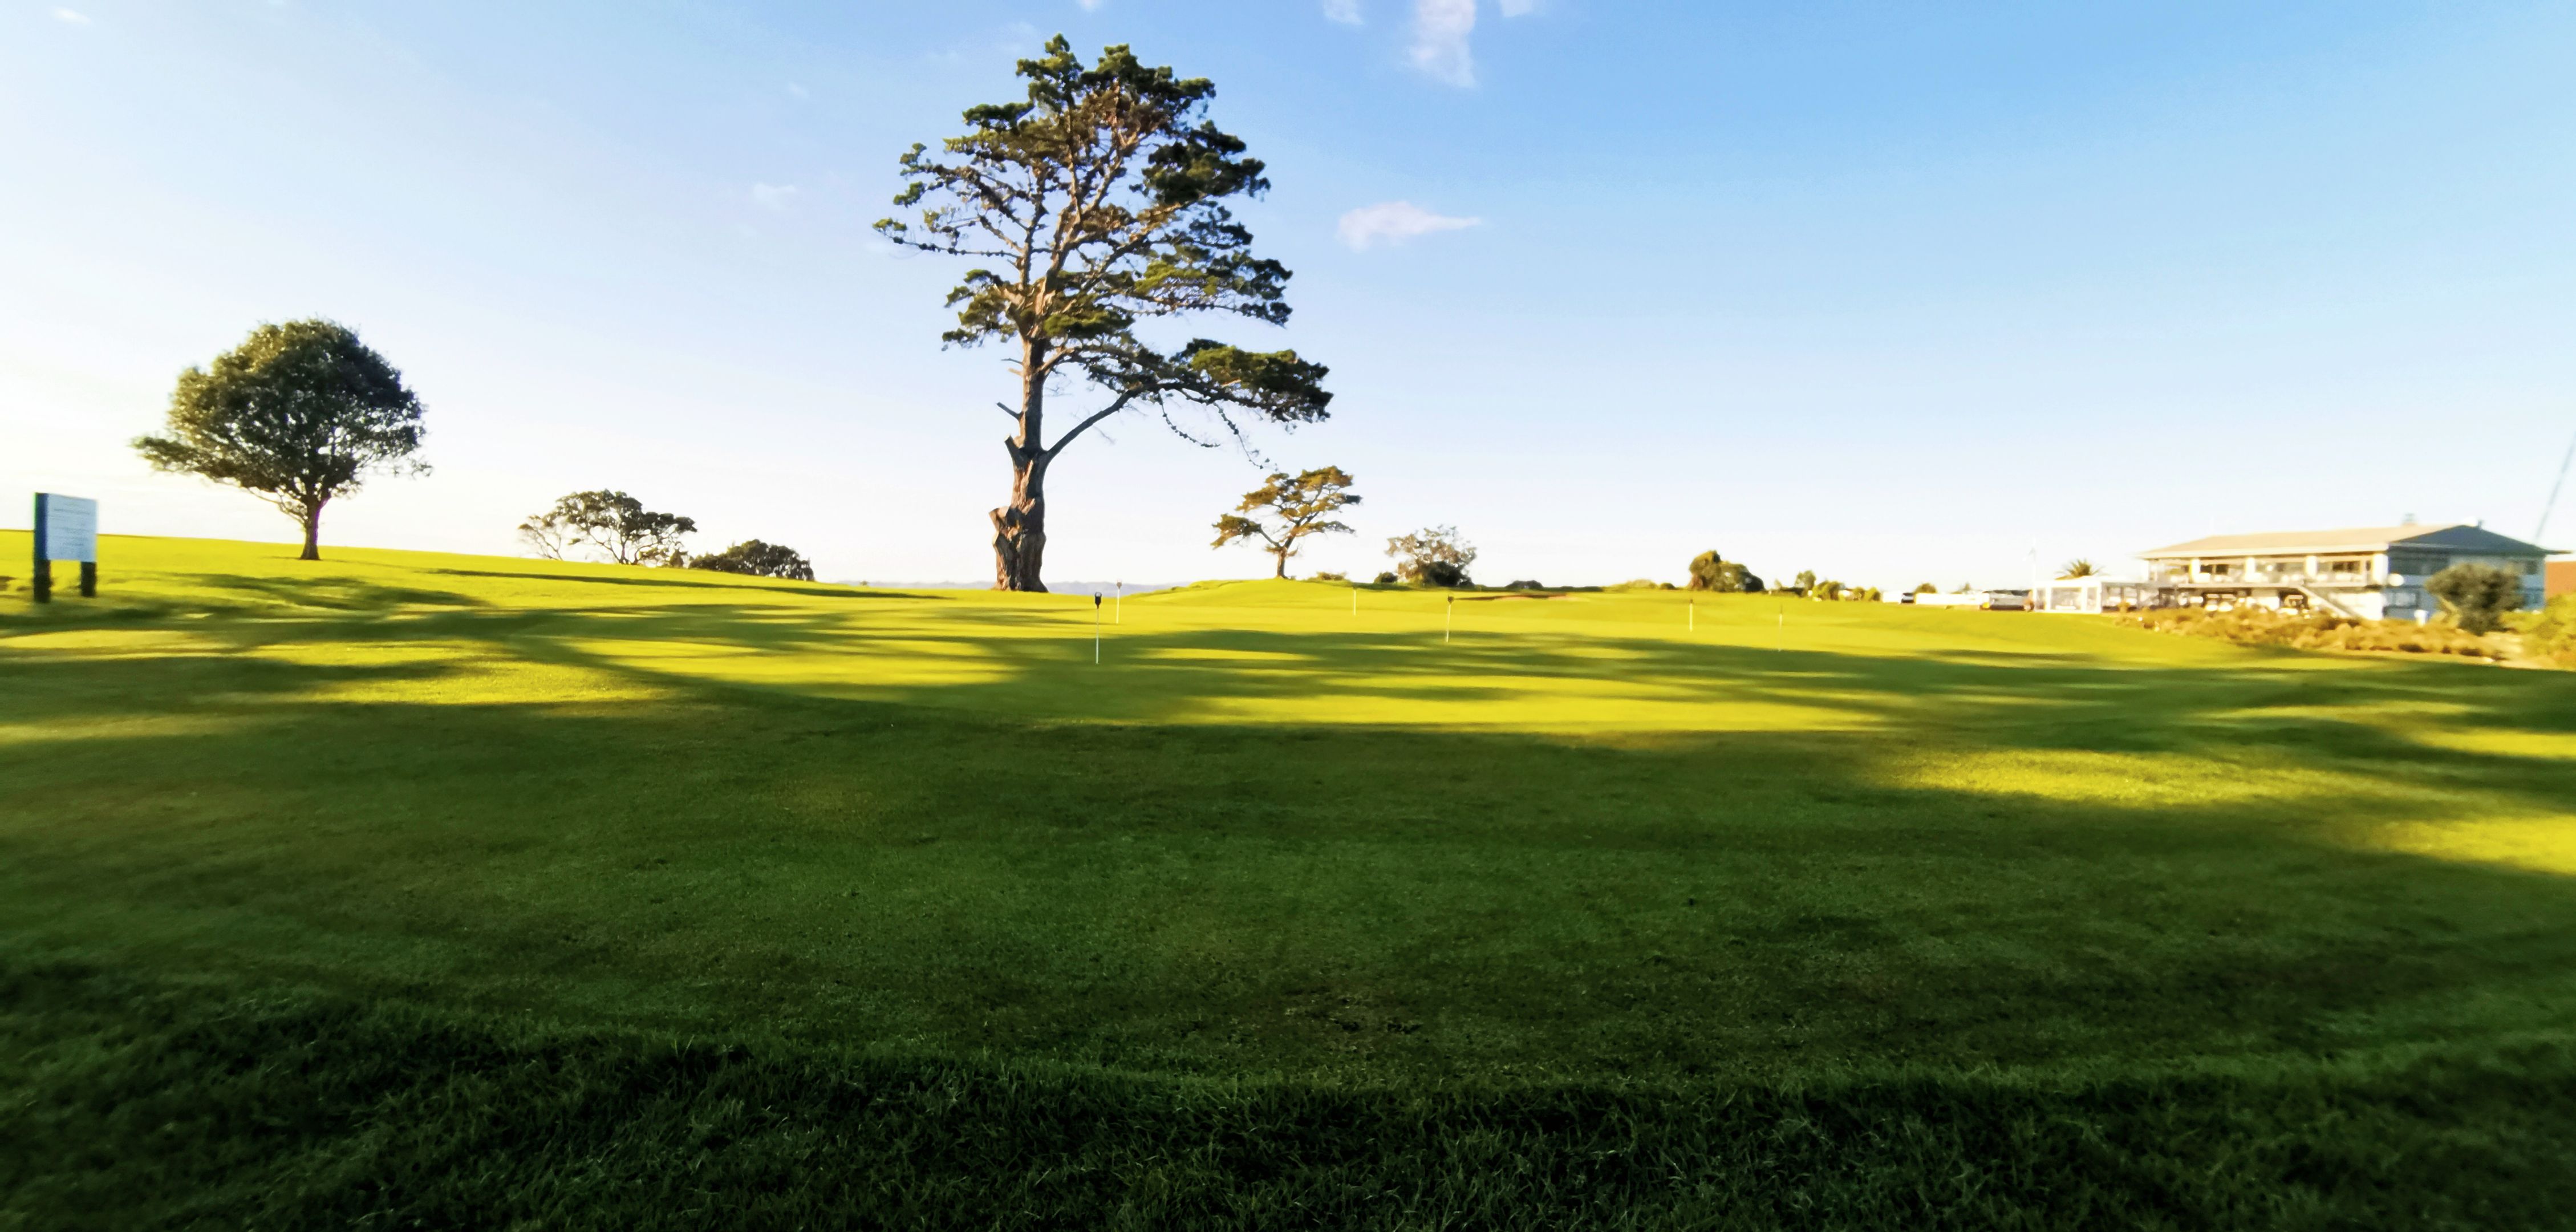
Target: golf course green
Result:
[401, 889]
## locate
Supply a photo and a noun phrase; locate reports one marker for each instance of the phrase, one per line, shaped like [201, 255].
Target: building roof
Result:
[2456, 537]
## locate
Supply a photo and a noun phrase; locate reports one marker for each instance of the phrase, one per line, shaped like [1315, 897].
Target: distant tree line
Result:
[622, 531]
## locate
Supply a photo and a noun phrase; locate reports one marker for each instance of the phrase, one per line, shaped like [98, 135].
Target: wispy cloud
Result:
[1346, 12]
[773, 196]
[70, 17]
[1393, 222]
[1089, 6]
[1440, 30]
[798, 91]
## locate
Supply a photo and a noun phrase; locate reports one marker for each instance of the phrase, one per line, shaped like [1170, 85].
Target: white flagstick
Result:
[1118, 603]
[1694, 613]
[1450, 622]
[1355, 598]
[1095, 628]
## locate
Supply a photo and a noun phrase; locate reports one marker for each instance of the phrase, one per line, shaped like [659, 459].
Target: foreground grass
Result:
[420, 886]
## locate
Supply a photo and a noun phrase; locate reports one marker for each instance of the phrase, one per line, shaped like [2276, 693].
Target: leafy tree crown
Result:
[1433, 556]
[616, 524]
[1287, 508]
[299, 414]
[2478, 595]
[1099, 201]
[754, 558]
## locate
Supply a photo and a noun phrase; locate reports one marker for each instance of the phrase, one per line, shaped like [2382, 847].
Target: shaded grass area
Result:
[135, 1106]
[451, 891]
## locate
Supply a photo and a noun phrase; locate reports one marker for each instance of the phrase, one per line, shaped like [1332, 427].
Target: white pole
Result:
[1095, 630]
[1782, 633]
[1694, 613]
[1118, 603]
[1450, 622]
[1355, 598]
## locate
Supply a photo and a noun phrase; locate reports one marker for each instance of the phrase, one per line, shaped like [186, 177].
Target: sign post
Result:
[66, 529]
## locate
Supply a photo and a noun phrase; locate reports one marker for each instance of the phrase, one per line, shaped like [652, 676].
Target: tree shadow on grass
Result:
[1375, 901]
[335, 593]
[805, 590]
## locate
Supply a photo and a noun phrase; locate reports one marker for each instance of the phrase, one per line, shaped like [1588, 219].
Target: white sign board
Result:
[66, 528]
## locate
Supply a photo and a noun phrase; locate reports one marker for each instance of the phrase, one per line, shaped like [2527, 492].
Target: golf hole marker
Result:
[1095, 628]
[1449, 622]
[66, 529]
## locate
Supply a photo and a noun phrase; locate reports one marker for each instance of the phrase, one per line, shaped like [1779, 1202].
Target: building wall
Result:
[2562, 578]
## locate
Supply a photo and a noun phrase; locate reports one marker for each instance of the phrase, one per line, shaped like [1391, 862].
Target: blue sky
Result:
[1894, 292]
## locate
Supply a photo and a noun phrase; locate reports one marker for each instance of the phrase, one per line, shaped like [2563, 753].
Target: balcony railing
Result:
[2260, 577]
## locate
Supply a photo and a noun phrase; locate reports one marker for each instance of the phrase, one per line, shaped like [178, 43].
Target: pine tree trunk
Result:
[1019, 528]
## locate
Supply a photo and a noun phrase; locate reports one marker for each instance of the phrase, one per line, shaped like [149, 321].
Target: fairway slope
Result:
[413, 886]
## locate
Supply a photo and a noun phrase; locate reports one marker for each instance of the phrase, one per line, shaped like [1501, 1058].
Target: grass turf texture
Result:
[430, 890]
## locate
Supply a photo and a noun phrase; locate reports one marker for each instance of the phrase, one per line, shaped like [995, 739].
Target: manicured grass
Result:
[461, 890]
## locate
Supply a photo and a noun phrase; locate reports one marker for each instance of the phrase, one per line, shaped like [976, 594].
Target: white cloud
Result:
[798, 90]
[1518, 8]
[1346, 12]
[67, 15]
[773, 196]
[1440, 30]
[1394, 222]
[1089, 6]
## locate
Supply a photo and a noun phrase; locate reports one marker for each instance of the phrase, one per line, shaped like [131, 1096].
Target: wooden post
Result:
[44, 579]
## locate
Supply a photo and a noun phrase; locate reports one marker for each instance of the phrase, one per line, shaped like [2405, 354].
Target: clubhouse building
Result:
[2371, 573]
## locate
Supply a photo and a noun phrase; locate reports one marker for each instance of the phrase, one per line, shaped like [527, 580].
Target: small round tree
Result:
[298, 415]
[1708, 572]
[2477, 595]
[1432, 556]
[753, 558]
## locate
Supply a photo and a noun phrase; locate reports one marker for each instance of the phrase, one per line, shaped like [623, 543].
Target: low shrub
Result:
[2477, 596]
[2550, 636]
[2258, 626]
[1327, 575]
